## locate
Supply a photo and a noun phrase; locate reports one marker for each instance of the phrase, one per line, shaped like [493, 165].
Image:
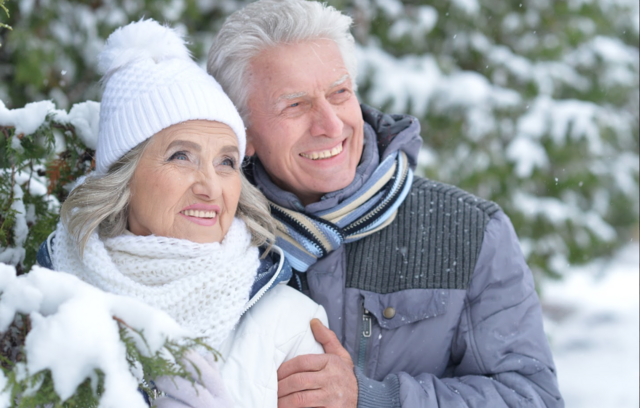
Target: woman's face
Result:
[187, 183]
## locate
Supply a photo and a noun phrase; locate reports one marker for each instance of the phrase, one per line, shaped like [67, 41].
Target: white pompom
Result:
[139, 40]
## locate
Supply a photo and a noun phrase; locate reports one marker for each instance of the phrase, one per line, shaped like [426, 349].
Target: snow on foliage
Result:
[533, 105]
[532, 98]
[84, 117]
[29, 173]
[74, 333]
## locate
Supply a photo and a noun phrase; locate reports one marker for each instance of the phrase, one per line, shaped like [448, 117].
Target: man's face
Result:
[306, 123]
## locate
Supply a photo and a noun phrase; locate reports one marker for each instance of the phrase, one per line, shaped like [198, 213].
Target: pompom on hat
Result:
[150, 83]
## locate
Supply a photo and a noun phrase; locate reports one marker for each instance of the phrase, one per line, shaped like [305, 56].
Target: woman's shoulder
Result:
[284, 313]
[284, 301]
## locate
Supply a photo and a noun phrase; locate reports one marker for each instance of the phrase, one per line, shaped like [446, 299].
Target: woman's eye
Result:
[179, 156]
[228, 161]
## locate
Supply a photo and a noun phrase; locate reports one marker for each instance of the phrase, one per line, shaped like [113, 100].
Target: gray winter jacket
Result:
[438, 309]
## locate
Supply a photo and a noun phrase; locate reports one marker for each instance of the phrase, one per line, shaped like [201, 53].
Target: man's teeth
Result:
[324, 154]
[200, 214]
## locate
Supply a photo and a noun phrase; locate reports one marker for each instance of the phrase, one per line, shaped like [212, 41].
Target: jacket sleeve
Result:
[307, 343]
[500, 356]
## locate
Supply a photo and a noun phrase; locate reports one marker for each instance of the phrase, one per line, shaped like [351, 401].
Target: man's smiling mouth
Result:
[323, 154]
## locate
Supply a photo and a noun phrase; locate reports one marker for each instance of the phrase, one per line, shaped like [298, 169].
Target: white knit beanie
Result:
[151, 83]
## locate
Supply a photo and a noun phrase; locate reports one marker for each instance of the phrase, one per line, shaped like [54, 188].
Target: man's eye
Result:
[179, 156]
[294, 105]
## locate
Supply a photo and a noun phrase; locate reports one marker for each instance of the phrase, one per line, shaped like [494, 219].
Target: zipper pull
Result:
[366, 324]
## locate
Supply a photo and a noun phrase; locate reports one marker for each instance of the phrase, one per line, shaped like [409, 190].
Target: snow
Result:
[527, 156]
[419, 81]
[73, 332]
[562, 118]
[592, 320]
[468, 6]
[417, 25]
[85, 117]
[560, 211]
[25, 120]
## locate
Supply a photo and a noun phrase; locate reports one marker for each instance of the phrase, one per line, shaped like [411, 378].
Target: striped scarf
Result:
[305, 238]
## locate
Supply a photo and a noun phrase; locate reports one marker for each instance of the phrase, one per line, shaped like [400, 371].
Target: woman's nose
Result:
[326, 121]
[207, 185]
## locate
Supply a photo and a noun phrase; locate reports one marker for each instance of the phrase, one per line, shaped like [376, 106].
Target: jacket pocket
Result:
[393, 310]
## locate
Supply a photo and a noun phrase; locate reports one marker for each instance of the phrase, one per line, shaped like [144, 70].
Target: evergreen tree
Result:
[532, 104]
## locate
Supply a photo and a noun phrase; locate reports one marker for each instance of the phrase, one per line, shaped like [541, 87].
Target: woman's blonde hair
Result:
[102, 202]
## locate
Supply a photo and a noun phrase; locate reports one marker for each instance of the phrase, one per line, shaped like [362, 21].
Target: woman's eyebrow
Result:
[229, 149]
[185, 143]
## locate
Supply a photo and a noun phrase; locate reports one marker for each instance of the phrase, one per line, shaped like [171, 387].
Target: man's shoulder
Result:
[433, 242]
[451, 201]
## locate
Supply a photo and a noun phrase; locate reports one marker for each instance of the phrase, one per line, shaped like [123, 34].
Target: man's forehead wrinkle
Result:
[295, 95]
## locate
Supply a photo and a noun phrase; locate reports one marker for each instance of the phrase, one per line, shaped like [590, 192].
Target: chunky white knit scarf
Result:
[204, 287]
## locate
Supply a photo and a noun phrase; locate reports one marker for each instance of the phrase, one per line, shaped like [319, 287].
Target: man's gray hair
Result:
[102, 203]
[269, 23]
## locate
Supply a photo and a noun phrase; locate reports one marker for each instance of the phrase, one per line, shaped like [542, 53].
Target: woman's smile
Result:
[202, 214]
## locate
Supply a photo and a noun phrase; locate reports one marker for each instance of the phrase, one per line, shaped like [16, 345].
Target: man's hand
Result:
[319, 380]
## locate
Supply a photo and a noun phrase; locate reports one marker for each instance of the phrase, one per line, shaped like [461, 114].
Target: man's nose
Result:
[207, 185]
[326, 121]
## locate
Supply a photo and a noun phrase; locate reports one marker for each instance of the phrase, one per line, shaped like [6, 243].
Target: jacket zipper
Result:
[364, 337]
[266, 287]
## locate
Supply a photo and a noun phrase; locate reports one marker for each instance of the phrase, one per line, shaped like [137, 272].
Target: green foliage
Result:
[528, 50]
[30, 163]
[52, 51]
[538, 51]
[37, 389]
[6, 11]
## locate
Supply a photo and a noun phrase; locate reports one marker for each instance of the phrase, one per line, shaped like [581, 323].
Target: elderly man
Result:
[425, 286]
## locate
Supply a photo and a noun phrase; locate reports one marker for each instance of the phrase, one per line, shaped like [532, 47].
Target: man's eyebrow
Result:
[185, 143]
[288, 97]
[340, 81]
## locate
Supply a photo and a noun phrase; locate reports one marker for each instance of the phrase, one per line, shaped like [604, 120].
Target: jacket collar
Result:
[274, 269]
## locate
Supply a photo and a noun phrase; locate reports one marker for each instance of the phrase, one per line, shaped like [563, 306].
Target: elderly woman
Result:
[168, 218]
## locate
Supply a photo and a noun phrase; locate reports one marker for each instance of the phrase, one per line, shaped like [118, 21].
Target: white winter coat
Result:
[274, 330]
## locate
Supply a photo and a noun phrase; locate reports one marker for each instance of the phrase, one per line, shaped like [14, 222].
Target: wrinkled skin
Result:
[190, 163]
[302, 104]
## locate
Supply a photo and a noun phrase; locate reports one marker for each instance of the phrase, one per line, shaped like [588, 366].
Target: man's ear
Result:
[250, 149]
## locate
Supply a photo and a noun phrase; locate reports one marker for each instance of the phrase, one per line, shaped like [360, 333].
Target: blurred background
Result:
[530, 103]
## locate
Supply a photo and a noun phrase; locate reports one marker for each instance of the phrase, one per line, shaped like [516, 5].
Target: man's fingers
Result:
[329, 340]
[300, 364]
[299, 382]
[312, 398]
